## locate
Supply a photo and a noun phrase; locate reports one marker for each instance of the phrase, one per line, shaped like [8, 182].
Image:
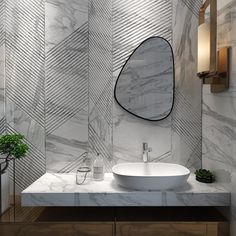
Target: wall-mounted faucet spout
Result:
[146, 150]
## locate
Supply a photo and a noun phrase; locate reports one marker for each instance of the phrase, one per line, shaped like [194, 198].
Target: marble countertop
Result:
[61, 190]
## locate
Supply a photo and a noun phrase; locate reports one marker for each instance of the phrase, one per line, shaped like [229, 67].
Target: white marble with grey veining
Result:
[67, 143]
[219, 115]
[146, 83]
[24, 124]
[62, 18]
[61, 190]
[2, 80]
[129, 132]
[65, 22]
[186, 115]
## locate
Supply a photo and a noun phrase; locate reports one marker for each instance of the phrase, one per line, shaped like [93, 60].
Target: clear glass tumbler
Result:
[83, 175]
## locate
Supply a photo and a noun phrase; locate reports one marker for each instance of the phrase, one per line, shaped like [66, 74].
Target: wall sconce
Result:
[213, 64]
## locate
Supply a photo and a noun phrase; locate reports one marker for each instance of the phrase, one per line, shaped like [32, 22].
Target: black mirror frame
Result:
[173, 80]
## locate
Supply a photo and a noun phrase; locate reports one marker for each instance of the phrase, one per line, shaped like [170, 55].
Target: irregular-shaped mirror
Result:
[145, 85]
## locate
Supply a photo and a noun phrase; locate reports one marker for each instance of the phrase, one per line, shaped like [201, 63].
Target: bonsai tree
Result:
[12, 146]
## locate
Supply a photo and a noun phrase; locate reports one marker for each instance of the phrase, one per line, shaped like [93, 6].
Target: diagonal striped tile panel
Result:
[186, 122]
[98, 146]
[25, 56]
[100, 57]
[73, 165]
[100, 78]
[2, 22]
[2, 125]
[193, 5]
[29, 168]
[66, 78]
[134, 21]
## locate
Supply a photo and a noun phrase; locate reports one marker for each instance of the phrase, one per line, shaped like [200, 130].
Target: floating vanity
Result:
[62, 190]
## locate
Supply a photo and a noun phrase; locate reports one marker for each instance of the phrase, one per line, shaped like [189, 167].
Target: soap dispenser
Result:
[98, 168]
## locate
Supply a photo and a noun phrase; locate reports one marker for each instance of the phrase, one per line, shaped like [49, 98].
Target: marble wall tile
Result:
[219, 115]
[66, 87]
[100, 80]
[186, 115]
[86, 45]
[129, 132]
[2, 80]
[178, 138]
[67, 143]
[2, 66]
[141, 20]
[24, 79]
[24, 124]
[62, 18]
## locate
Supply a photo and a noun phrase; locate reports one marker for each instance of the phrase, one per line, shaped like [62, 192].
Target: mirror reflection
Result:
[145, 85]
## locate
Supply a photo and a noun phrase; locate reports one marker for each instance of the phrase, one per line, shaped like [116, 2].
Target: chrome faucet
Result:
[146, 150]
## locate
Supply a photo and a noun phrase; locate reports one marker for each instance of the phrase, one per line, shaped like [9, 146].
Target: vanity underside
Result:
[116, 221]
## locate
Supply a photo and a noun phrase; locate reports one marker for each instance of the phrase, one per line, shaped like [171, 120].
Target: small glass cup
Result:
[83, 175]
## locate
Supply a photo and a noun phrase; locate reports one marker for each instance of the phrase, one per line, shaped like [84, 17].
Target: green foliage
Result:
[204, 174]
[13, 145]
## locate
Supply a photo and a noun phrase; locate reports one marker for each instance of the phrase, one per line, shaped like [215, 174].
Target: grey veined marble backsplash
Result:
[58, 69]
[219, 115]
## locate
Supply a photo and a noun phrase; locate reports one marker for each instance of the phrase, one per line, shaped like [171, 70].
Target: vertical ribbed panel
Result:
[135, 21]
[67, 78]
[100, 78]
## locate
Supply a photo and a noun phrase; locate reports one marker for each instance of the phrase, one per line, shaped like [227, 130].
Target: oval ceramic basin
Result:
[150, 176]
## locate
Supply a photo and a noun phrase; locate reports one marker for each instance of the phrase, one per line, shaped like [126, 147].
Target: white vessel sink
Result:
[150, 176]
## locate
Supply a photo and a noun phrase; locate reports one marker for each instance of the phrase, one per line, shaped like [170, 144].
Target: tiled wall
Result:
[61, 61]
[133, 22]
[24, 83]
[2, 65]
[176, 139]
[100, 80]
[186, 115]
[66, 83]
[219, 115]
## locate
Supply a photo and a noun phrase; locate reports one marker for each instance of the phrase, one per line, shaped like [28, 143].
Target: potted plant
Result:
[204, 176]
[11, 147]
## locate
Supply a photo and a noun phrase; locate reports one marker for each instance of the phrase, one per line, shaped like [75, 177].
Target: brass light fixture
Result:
[213, 64]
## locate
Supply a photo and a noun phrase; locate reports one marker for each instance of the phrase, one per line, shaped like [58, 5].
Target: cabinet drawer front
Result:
[160, 229]
[58, 229]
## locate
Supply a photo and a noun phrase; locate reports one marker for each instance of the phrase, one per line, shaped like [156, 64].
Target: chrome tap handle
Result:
[145, 146]
[146, 150]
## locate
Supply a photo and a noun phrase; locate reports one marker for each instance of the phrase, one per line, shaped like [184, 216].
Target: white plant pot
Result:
[5, 192]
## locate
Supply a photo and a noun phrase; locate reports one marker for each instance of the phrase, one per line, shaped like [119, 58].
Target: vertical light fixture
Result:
[213, 64]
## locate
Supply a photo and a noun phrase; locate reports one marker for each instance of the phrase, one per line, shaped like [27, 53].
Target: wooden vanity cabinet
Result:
[57, 229]
[171, 221]
[115, 229]
[137, 221]
[171, 229]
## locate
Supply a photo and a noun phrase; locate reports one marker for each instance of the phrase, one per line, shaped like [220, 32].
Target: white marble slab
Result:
[61, 190]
